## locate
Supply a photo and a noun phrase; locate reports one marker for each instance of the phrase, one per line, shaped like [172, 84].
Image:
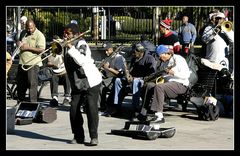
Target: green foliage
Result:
[53, 23]
[135, 26]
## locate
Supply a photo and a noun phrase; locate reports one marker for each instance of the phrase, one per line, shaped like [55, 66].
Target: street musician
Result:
[175, 83]
[59, 75]
[30, 47]
[115, 73]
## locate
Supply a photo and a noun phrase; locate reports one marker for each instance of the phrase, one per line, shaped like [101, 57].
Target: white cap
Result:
[74, 21]
[23, 19]
[220, 14]
[212, 14]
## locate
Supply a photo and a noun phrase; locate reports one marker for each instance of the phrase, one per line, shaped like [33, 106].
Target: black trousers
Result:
[90, 98]
[25, 80]
[55, 82]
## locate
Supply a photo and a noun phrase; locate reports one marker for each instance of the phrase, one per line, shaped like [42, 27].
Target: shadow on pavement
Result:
[33, 135]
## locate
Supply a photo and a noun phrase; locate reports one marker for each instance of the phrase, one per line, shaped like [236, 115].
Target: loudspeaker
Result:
[10, 120]
[46, 115]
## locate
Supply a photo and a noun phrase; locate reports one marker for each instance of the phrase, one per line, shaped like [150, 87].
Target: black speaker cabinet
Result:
[46, 115]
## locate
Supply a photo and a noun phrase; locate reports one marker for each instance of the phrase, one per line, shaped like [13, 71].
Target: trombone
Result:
[56, 47]
[225, 26]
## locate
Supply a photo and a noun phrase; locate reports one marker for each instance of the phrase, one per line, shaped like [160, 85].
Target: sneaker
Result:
[53, 103]
[155, 119]
[93, 142]
[66, 102]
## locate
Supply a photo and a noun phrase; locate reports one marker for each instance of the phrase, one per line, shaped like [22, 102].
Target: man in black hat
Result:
[115, 68]
[142, 64]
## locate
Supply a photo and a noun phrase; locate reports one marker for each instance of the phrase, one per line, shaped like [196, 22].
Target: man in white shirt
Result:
[217, 41]
[59, 75]
[176, 74]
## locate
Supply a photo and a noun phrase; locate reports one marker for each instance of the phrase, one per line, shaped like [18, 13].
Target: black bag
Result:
[208, 112]
[193, 67]
[45, 74]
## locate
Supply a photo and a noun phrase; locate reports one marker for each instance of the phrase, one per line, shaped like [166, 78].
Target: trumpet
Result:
[56, 48]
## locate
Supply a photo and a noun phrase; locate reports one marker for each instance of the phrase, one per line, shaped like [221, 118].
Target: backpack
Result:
[45, 74]
[208, 111]
[193, 67]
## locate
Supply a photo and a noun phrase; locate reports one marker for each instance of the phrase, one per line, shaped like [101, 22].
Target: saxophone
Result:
[158, 77]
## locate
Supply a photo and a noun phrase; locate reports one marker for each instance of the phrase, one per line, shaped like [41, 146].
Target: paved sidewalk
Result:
[191, 134]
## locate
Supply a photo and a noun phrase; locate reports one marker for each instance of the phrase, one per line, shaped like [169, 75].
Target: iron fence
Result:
[123, 24]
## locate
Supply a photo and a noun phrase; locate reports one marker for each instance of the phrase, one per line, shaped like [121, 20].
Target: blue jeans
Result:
[137, 84]
[119, 86]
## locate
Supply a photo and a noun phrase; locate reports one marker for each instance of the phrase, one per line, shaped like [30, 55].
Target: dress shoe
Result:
[53, 103]
[66, 102]
[141, 117]
[93, 142]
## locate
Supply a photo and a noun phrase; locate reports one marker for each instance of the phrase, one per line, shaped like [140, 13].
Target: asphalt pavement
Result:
[191, 133]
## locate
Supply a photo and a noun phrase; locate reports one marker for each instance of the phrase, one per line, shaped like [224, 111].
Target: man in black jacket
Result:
[85, 80]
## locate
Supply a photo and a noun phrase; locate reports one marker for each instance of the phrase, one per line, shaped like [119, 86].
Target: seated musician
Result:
[115, 69]
[142, 65]
[59, 74]
[175, 82]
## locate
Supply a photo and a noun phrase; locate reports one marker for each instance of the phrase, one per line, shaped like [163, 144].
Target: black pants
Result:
[106, 87]
[25, 80]
[55, 82]
[90, 97]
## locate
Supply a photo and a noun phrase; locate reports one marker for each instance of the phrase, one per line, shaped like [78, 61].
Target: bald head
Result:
[30, 26]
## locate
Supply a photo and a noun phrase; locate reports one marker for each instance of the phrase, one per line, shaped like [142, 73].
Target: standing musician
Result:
[217, 41]
[176, 82]
[85, 80]
[30, 46]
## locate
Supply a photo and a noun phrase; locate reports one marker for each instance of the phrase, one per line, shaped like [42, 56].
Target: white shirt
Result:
[217, 49]
[56, 61]
[92, 73]
[181, 69]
